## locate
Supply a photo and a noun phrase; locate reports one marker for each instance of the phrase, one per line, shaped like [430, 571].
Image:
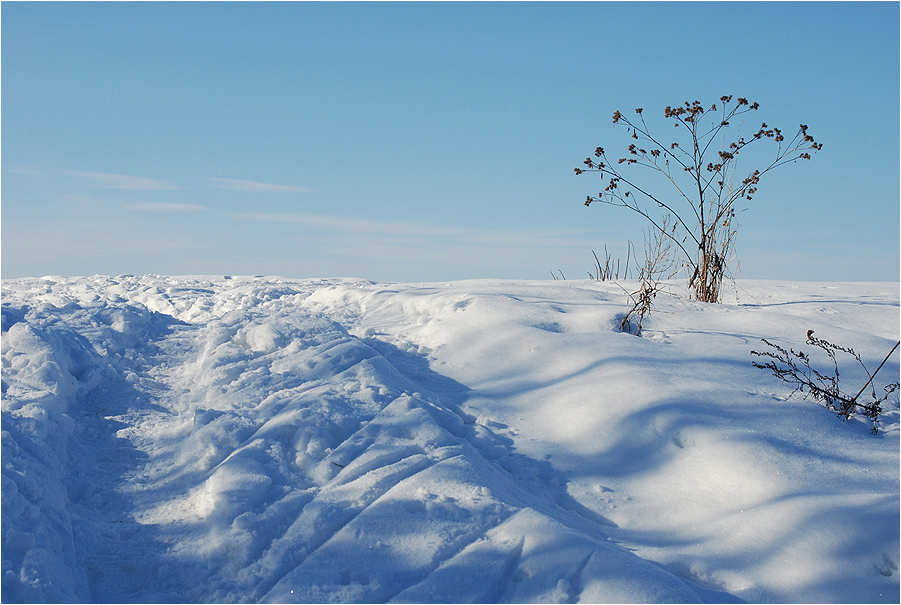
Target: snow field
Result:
[675, 438]
[263, 439]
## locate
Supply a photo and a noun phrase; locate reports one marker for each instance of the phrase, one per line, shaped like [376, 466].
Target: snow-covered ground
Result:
[264, 439]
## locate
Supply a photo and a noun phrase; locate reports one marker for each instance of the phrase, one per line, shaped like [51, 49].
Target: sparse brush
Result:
[706, 187]
[659, 264]
[793, 367]
[610, 269]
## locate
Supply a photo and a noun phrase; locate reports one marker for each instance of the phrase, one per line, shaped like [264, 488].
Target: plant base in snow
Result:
[659, 264]
[794, 368]
[641, 307]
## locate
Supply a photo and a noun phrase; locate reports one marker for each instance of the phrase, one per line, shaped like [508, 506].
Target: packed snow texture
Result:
[264, 439]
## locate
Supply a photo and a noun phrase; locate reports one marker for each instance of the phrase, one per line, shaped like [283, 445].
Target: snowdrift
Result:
[270, 440]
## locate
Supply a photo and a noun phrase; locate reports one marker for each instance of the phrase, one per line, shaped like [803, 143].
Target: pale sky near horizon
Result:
[423, 141]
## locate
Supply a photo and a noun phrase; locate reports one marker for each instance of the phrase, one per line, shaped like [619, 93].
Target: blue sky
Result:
[422, 141]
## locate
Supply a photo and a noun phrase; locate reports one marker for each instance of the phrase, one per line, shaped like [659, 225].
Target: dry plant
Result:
[795, 369]
[659, 265]
[610, 269]
[706, 192]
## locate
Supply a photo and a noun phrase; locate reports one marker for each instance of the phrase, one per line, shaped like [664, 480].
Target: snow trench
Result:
[169, 442]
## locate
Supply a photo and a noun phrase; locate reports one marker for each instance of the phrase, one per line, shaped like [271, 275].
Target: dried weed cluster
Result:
[704, 193]
[794, 368]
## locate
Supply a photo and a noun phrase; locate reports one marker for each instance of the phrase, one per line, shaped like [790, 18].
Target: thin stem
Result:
[877, 370]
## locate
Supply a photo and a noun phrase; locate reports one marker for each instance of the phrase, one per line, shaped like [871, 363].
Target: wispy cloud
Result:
[122, 181]
[407, 230]
[257, 187]
[165, 207]
[25, 170]
[344, 223]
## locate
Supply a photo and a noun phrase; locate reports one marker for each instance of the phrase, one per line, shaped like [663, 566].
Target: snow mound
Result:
[271, 440]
